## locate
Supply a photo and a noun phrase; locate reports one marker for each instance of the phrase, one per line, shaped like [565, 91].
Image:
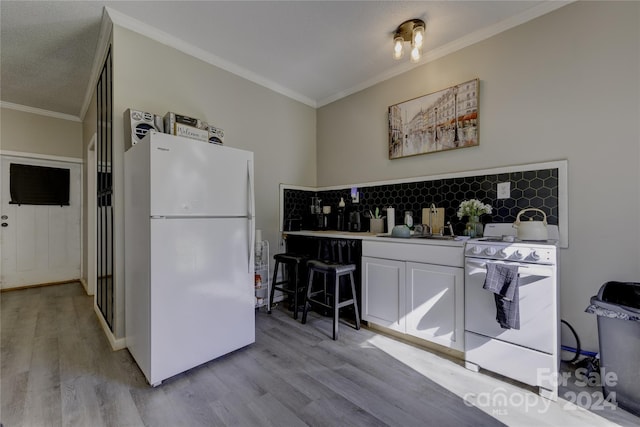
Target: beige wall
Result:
[37, 134]
[563, 86]
[280, 131]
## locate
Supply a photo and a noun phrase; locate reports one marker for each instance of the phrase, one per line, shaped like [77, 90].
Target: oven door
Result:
[538, 312]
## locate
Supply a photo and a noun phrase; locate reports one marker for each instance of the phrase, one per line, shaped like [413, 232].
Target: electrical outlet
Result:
[504, 190]
[355, 195]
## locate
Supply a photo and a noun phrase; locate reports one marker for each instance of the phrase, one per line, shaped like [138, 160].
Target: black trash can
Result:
[618, 308]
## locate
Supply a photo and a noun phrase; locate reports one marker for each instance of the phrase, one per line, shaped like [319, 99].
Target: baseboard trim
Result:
[116, 343]
[39, 285]
[451, 353]
[85, 285]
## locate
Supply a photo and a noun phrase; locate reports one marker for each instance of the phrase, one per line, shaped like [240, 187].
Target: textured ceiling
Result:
[313, 51]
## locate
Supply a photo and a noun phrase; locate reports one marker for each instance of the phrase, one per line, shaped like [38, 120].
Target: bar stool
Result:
[291, 285]
[331, 294]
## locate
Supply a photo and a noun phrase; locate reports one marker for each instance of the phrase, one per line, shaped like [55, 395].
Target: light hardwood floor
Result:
[57, 369]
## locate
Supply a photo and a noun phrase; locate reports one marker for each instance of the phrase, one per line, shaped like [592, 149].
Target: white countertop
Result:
[375, 237]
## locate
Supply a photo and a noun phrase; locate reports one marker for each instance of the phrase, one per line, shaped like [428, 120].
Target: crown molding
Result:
[102, 45]
[113, 17]
[444, 50]
[153, 33]
[39, 111]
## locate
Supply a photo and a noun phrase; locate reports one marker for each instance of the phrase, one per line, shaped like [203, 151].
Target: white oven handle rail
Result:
[479, 266]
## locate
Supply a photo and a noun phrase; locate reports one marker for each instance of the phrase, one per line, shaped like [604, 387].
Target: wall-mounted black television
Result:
[38, 185]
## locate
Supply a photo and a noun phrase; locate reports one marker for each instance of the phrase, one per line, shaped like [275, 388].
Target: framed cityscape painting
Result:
[443, 120]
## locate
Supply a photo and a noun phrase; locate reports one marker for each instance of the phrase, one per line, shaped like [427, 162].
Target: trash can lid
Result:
[621, 293]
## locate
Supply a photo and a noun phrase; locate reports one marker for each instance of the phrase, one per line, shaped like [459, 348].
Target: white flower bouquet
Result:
[473, 207]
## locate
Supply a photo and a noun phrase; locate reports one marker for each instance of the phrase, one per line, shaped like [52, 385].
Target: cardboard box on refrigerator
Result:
[191, 132]
[172, 119]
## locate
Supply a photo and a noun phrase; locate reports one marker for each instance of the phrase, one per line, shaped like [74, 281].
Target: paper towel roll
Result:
[391, 219]
[258, 236]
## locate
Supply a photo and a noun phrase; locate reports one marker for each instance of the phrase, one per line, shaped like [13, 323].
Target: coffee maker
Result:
[355, 221]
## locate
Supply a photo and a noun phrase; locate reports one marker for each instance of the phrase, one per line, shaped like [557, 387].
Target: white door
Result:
[40, 244]
[435, 303]
[197, 178]
[202, 292]
[537, 305]
[383, 292]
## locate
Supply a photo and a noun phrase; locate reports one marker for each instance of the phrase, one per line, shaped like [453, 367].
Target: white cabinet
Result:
[434, 303]
[420, 299]
[383, 292]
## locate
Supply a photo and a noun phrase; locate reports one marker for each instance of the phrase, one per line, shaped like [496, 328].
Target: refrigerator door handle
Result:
[251, 215]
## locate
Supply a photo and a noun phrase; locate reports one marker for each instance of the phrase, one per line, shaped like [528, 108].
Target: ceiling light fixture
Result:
[409, 31]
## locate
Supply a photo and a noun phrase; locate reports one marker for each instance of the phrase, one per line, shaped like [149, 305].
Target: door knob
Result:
[3, 217]
[4, 224]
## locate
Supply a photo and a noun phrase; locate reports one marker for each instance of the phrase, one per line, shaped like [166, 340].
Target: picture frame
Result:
[440, 121]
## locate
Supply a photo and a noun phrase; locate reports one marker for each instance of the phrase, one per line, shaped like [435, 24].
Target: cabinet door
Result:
[435, 305]
[383, 292]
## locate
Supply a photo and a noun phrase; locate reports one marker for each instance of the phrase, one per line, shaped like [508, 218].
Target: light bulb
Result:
[398, 48]
[415, 54]
[417, 37]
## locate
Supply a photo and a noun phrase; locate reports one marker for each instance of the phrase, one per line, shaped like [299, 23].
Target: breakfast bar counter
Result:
[336, 234]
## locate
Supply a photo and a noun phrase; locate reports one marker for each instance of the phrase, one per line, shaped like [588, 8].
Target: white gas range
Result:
[529, 351]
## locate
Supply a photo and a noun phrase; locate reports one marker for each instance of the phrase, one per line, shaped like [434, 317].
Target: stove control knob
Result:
[535, 255]
[502, 253]
[518, 254]
[476, 250]
[490, 251]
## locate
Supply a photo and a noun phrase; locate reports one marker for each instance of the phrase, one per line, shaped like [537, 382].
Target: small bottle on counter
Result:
[469, 231]
[340, 223]
[408, 219]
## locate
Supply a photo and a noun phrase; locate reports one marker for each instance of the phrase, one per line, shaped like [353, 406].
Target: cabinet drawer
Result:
[417, 252]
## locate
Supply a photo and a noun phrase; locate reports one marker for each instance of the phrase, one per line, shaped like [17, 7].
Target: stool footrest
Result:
[322, 304]
[346, 303]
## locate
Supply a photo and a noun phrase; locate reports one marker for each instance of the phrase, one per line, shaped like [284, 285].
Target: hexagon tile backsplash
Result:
[535, 188]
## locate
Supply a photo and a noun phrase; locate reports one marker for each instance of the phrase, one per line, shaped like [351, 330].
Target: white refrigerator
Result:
[189, 238]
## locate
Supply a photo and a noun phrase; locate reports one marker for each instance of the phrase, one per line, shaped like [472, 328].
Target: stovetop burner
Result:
[498, 239]
[500, 243]
[512, 239]
[505, 232]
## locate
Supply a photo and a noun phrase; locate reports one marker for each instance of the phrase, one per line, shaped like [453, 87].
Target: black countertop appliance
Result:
[355, 221]
[341, 224]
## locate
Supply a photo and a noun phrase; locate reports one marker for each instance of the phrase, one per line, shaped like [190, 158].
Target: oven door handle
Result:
[480, 266]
